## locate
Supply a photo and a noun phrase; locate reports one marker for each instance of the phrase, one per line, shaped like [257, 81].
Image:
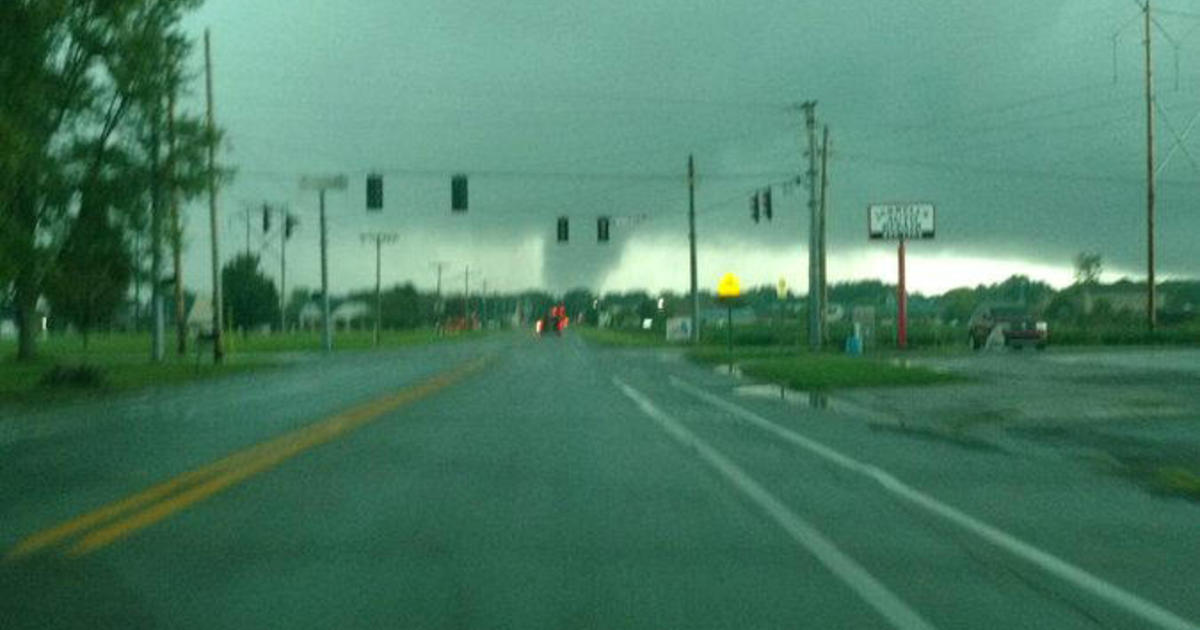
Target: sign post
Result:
[729, 289]
[901, 222]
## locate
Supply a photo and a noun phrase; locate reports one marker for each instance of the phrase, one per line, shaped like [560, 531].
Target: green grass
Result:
[622, 338]
[123, 359]
[1179, 481]
[21, 382]
[800, 369]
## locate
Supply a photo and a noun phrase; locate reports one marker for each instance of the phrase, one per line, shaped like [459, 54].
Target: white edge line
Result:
[1126, 600]
[843, 566]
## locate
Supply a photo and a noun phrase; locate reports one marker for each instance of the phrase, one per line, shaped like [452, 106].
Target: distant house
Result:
[351, 314]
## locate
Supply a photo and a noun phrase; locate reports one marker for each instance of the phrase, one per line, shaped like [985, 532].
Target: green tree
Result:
[250, 297]
[959, 304]
[71, 75]
[91, 276]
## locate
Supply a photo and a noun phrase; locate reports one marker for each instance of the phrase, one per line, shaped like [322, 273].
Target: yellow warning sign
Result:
[729, 286]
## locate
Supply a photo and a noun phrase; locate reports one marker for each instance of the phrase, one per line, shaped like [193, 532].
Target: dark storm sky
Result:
[1023, 121]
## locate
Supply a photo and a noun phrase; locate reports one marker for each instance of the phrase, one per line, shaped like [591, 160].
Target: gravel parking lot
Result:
[1133, 411]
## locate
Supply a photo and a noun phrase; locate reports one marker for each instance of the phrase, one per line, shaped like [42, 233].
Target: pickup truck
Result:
[1015, 324]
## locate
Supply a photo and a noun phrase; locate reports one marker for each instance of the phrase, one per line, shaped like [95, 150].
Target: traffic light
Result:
[289, 222]
[754, 207]
[564, 229]
[374, 191]
[602, 230]
[766, 197]
[266, 219]
[458, 193]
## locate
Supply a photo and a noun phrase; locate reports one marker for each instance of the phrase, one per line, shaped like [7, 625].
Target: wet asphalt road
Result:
[557, 485]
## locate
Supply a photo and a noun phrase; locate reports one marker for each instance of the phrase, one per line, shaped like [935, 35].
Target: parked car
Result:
[1014, 324]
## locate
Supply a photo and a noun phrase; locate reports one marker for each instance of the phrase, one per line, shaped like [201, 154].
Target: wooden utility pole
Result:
[176, 230]
[815, 304]
[379, 238]
[467, 296]
[691, 180]
[157, 335]
[1151, 311]
[822, 280]
[217, 302]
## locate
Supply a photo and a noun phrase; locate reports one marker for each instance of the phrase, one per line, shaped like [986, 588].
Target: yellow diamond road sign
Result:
[729, 286]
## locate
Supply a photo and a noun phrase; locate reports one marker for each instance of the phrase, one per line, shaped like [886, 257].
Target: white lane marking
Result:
[853, 574]
[1115, 595]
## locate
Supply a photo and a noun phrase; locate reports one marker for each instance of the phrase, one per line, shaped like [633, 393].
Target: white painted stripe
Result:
[844, 567]
[1115, 595]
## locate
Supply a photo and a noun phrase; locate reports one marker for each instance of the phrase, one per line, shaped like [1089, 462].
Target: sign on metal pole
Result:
[729, 286]
[901, 221]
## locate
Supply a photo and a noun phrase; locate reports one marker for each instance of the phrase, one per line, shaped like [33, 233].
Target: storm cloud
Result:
[1023, 121]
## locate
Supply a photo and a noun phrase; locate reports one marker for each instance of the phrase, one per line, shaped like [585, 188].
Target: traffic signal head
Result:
[564, 229]
[266, 219]
[374, 192]
[289, 222]
[754, 207]
[766, 195]
[458, 193]
[602, 229]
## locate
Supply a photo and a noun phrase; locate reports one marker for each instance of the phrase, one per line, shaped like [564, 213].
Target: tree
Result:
[71, 75]
[1087, 268]
[959, 304]
[91, 276]
[250, 296]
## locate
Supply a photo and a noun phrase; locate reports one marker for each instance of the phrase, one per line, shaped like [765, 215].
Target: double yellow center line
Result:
[91, 531]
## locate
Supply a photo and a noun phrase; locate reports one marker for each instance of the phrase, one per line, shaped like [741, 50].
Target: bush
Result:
[76, 376]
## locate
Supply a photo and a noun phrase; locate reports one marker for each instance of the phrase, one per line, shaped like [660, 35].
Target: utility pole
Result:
[691, 180]
[217, 301]
[176, 230]
[322, 184]
[1151, 314]
[466, 296]
[823, 281]
[379, 238]
[815, 303]
[483, 305]
[438, 308]
[157, 340]
[286, 219]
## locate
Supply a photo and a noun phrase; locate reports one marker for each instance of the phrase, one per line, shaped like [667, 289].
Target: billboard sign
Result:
[900, 221]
